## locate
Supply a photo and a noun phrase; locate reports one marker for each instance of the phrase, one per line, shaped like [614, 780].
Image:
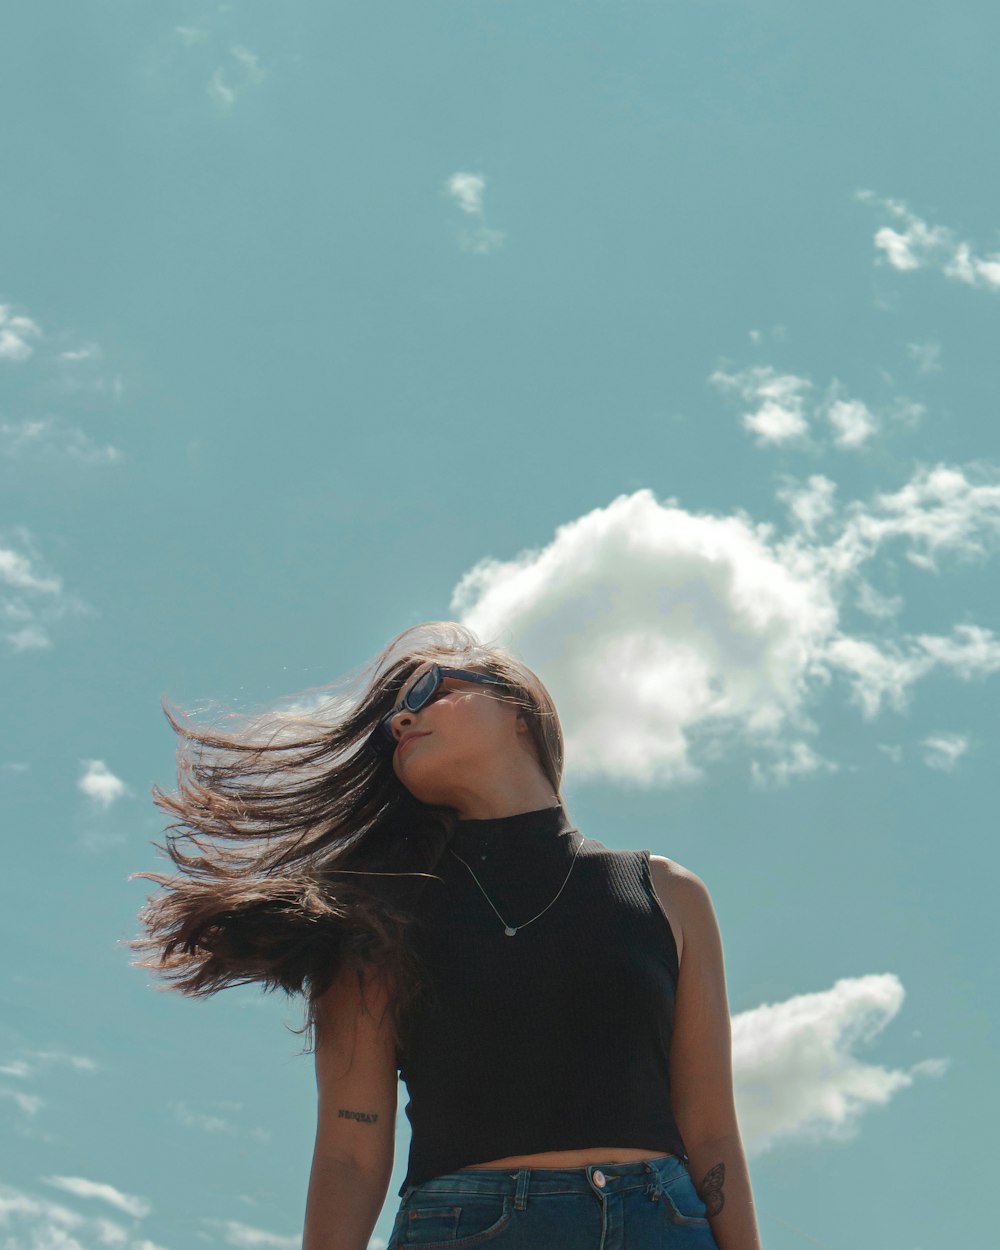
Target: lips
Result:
[407, 739]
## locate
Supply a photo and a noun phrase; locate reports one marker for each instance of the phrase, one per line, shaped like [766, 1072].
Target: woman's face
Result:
[466, 738]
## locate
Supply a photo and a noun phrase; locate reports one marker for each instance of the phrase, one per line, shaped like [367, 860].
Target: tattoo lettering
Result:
[363, 1117]
[710, 1189]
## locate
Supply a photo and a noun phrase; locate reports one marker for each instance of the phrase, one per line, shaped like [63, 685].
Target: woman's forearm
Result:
[719, 1170]
[342, 1205]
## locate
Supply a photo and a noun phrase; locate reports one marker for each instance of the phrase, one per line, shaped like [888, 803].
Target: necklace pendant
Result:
[509, 931]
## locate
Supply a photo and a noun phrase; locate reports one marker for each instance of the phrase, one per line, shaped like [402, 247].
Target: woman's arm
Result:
[701, 1066]
[356, 1082]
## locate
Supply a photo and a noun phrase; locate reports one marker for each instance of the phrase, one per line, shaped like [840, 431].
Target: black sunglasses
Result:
[421, 692]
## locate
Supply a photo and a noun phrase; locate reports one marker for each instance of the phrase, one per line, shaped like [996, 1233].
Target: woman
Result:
[410, 868]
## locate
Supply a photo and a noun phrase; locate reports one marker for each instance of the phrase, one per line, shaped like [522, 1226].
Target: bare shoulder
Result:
[682, 895]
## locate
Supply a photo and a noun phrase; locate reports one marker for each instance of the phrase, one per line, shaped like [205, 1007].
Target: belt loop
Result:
[521, 1191]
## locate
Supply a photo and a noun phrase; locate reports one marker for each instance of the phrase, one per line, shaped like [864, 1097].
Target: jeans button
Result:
[599, 1179]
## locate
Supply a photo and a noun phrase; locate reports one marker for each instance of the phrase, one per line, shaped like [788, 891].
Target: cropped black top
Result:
[555, 1038]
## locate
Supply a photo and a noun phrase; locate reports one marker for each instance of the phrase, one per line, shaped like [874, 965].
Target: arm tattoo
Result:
[710, 1189]
[362, 1117]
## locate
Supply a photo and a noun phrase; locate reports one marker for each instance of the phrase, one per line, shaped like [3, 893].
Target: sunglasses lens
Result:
[421, 690]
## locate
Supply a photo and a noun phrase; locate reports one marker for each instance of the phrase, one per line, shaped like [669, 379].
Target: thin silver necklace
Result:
[509, 930]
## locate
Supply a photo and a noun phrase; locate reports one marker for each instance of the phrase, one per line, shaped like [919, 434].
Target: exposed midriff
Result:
[572, 1158]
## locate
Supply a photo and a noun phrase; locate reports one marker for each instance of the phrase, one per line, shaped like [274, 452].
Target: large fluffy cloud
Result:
[664, 634]
[651, 625]
[795, 1073]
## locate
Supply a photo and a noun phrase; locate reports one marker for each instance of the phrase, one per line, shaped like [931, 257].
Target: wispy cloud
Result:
[42, 1224]
[852, 422]
[779, 400]
[247, 1235]
[37, 1059]
[209, 1123]
[31, 598]
[16, 331]
[794, 759]
[190, 35]
[943, 751]
[198, 1119]
[30, 1104]
[795, 1071]
[659, 628]
[467, 191]
[884, 673]
[784, 408]
[227, 82]
[81, 1187]
[927, 356]
[47, 436]
[82, 1063]
[921, 246]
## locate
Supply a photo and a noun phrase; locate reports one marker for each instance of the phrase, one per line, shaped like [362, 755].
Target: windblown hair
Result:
[327, 850]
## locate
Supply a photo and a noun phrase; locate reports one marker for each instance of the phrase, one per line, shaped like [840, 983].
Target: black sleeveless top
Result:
[557, 1038]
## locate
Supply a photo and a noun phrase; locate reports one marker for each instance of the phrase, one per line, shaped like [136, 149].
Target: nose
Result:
[400, 722]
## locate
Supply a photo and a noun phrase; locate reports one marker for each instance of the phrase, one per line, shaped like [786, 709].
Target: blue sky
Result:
[657, 342]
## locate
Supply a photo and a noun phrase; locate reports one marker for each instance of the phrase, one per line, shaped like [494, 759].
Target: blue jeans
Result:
[648, 1205]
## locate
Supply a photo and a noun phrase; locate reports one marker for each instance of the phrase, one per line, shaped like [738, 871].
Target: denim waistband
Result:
[600, 1178]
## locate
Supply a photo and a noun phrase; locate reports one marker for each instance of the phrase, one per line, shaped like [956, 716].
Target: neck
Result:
[500, 802]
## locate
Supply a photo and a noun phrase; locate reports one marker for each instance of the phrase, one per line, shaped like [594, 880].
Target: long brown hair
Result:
[334, 848]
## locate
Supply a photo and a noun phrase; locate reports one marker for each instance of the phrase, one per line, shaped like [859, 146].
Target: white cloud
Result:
[943, 751]
[927, 356]
[783, 408]
[666, 636]
[467, 191]
[873, 603]
[778, 398]
[940, 510]
[852, 421]
[40, 1224]
[45, 435]
[220, 91]
[16, 571]
[26, 1068]
[191, 34]
[15, 331]
[886, 673]
[649, 623]
[795, 759]
[30, 1104]
[216, 1123]
[921, 246]
[237, 1234]
[796, 1076]
[250, 62]
[82, 1063]
[29, 597]
[225, 92]
[197, 1119]
[81, 1187]
[100, 784]
[811, 506]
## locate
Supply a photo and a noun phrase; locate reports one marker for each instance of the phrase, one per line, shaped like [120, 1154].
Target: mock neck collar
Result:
[543, 826]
